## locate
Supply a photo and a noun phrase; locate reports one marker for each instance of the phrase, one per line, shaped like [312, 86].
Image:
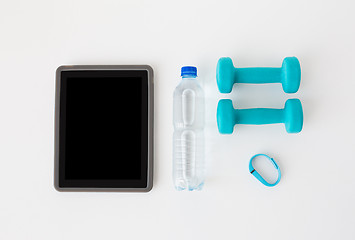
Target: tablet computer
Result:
[104, 128]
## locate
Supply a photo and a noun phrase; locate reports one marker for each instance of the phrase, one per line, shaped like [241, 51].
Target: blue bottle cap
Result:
[189, 71]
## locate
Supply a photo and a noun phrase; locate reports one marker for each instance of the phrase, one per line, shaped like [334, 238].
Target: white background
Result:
[315, 198]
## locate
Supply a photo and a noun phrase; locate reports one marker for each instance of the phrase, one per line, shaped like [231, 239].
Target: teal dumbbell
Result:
[289, 75]
[291, 116]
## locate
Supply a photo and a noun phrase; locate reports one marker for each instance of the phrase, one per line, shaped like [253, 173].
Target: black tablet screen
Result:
[103, 129]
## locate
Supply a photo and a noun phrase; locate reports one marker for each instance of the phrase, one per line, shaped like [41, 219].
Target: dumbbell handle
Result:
[258, 75]
[258, 116]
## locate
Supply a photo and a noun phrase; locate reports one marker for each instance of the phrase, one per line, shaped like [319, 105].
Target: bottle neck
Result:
[188, 78]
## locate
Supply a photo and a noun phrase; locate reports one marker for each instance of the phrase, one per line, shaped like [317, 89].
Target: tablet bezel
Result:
[150, 141]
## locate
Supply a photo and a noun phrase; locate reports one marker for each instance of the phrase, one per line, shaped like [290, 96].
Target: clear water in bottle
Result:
[188, 139]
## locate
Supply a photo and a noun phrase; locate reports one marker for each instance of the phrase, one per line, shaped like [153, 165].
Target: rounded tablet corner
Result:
[59, 189]
[150, 71]
[62, 68]
[148, 188]
[149, 68]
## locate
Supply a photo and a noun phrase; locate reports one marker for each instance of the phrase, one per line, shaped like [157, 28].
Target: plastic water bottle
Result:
[188, 139]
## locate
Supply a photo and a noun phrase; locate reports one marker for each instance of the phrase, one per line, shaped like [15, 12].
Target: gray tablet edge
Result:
[150, 126]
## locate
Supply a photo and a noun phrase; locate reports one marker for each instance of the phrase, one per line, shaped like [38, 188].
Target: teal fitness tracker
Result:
[258, 176]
